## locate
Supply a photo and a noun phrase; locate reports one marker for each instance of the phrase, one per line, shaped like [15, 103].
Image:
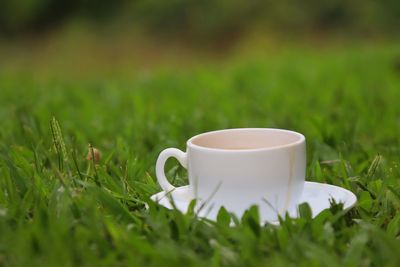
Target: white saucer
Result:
[317, 195]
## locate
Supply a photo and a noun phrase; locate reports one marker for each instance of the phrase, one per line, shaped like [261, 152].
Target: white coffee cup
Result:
[238, 168]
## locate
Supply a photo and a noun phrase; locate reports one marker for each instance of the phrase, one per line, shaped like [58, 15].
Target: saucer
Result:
[317, 195]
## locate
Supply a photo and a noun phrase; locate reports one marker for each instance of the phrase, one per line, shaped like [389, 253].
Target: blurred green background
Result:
[206, 19]
[90, 37]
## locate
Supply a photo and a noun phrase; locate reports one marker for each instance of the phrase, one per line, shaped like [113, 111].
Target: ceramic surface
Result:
[317, 195]
[238, 168]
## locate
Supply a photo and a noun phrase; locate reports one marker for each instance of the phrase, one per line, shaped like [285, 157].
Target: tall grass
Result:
[59, 207]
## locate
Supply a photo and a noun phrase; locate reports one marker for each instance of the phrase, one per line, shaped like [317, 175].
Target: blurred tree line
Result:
[207, 19]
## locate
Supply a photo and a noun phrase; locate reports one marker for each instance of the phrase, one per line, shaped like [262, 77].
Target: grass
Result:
[59, 209]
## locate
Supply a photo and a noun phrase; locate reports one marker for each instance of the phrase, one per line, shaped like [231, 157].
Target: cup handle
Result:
[162, 158]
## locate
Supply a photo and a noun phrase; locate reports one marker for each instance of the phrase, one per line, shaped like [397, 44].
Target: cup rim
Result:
[301, 139]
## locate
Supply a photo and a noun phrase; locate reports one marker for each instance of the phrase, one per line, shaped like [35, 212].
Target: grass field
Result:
[59, 209]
